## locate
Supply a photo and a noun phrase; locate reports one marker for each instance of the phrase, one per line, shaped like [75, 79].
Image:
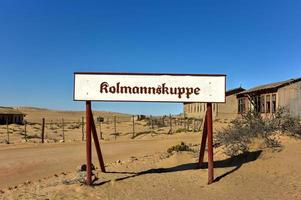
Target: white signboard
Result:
[149, 87]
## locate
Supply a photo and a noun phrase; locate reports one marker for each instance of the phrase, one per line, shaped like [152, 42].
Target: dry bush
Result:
[74, 126]
[238, 136]
[179, 147]
[158, 122]
[180, 130]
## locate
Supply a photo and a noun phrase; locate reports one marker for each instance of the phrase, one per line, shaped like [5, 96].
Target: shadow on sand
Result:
[236, 161]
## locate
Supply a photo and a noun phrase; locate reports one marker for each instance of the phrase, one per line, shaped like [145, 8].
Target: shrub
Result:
[179, 147]
[238, 136]
[158, 122]
[180, 130]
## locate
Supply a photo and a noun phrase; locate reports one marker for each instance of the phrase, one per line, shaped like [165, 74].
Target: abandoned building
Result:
[267, 98]
[11, 116]
[226, 110]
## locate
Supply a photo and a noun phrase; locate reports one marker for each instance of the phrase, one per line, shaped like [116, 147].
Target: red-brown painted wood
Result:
[88, 143]
[97, 145]
[203, 142]
[210, 143]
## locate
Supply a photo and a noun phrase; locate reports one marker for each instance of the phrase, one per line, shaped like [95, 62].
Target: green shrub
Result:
[179, 147]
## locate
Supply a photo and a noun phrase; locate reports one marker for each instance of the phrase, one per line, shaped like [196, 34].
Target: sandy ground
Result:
[73, 129]
[139, 167]
[19, 163]
[143, 170]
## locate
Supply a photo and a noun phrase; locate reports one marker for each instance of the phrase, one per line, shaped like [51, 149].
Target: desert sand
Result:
[141, 168]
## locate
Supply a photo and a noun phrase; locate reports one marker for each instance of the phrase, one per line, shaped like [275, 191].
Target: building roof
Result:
[228, 92]
[270, 87]
[234, 91]
[9, 111]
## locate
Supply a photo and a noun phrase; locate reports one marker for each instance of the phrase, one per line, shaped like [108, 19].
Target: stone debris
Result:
[80, 176]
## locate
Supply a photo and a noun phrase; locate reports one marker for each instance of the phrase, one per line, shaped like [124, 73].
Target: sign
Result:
[149, 87]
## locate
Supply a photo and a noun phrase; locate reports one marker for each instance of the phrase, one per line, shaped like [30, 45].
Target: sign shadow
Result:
[235, 161]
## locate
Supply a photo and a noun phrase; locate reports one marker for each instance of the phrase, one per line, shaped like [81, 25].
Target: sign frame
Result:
[150, 74]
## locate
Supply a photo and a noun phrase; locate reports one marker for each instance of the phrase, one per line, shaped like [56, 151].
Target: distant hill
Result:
[34, 114]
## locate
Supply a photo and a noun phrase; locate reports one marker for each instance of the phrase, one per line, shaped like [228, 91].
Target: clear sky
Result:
[43, 42]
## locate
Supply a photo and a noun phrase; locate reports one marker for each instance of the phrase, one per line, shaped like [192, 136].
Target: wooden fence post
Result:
[170, 124]
[193, 125]
[63, 129]
[43, 129]
[152, 125]
[100, 133]
[25, 132]
[83, 133]
[187, 124]
[133, 126]
[115, 131]
[7, 131]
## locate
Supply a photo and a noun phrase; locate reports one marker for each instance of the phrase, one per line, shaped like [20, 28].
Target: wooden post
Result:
[100, 133]
[83, 132]
[193, 125]
[97, 145]
[63, 130]
[210, 143]
[88, 143]
[115, 132]
[25, 132]
[7, 131]
[203, 142]
[187, 125]
[133, 126]
[152, 125]
[170, 124]
[43, 130]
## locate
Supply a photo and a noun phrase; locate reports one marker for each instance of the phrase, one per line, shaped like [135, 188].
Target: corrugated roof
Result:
[270, 86]
[9, 111]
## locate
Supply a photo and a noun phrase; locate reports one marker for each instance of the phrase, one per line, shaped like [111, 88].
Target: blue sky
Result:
[43, 42]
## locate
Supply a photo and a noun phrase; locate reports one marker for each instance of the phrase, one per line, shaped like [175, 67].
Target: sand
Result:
[141, 168]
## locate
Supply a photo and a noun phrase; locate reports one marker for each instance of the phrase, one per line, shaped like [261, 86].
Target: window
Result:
[262, 108]
[273, 103]
[257, 103]
[268, 103]
[241, 105]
